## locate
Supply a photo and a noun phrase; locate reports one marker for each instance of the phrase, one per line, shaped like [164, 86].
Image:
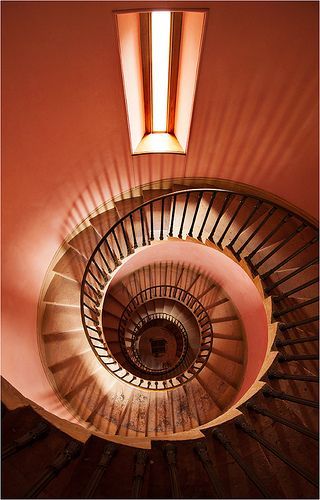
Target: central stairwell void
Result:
[184, 317]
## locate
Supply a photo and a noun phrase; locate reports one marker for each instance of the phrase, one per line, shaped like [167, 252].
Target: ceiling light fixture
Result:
[160, 42]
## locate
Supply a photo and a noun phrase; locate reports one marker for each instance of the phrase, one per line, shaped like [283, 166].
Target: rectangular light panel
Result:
[160, 39]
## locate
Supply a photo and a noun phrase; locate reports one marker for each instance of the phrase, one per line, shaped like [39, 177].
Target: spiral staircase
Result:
[178, 326]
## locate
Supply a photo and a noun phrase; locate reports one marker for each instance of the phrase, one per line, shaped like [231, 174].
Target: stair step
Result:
[71, 265]
[63, 291]
[60, 318]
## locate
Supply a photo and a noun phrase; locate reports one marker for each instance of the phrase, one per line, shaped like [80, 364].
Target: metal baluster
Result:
[269, 235]
[291, 275]
[224, 206]
[226, 443]
[244, 225]
[88, 296]
[287, 326]
[281, 244]
[162, 219]
[102, 273]
[114, 257]
[202, 452]
[94, 311]
[104, 260]
[264, 220]
[282, 358]
[281, 420]
[171, 457]
[184, 215]
[93, 320]
[295, 307]
[126, 239]
[190, 233]
[251, 432]
[70, 452]
[142, 228]
[287, 376]
[151, 222]
[278, 298]
[231, 220]
[95, 279]
[40, 431]
[297, 252]
[172, 214]
[106, 457]
[206, 216]
[269, 392]
[135, 243]
[139, 470]
[301, 340]
[117, 244]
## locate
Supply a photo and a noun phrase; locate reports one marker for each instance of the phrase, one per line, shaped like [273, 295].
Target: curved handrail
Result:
[108, 253]
[146, 320]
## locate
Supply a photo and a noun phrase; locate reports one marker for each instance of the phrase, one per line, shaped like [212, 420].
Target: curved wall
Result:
[66, 143]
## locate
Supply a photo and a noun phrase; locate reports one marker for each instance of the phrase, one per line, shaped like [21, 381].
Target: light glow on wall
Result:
[160, 37]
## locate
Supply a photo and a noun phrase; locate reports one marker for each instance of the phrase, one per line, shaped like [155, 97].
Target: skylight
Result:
[160, 44]
[160, 53]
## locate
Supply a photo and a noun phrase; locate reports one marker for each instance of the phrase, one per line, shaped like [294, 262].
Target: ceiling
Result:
[65, 134]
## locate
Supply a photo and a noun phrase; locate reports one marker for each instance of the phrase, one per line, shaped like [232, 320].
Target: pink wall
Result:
[66, 141]
[191, 37]
[129, 40]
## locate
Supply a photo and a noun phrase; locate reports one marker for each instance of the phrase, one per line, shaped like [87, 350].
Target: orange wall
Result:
[66, 141]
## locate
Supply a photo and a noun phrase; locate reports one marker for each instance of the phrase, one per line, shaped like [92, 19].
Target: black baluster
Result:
[291, 275]
[184, 214]
[278, 298]
[151, 222]
[235, 213]
[104, 260]
[224, 206]
[142, 227]
[269, 235]
[70, 452]
[280, 245]
[251, 432]
[282, 358]
[226, 443]
[94, 311]
[88, 296]
[301, 340]
[257, 229]
[106, 457]
[40, 431]
[117, 244]
[171, 457]
[172, 214]
[126, 239]
[100, 271]
[293, 376]
[285, 261]
[281, 420]
[206, 216]
[203, 455]
[245, 224]
[295, 307]
[287, 326]
[114, 257]
[162, 219]
[269, 392]
[190, 233]
[93, 320]
[135, 243]
[96, 279]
